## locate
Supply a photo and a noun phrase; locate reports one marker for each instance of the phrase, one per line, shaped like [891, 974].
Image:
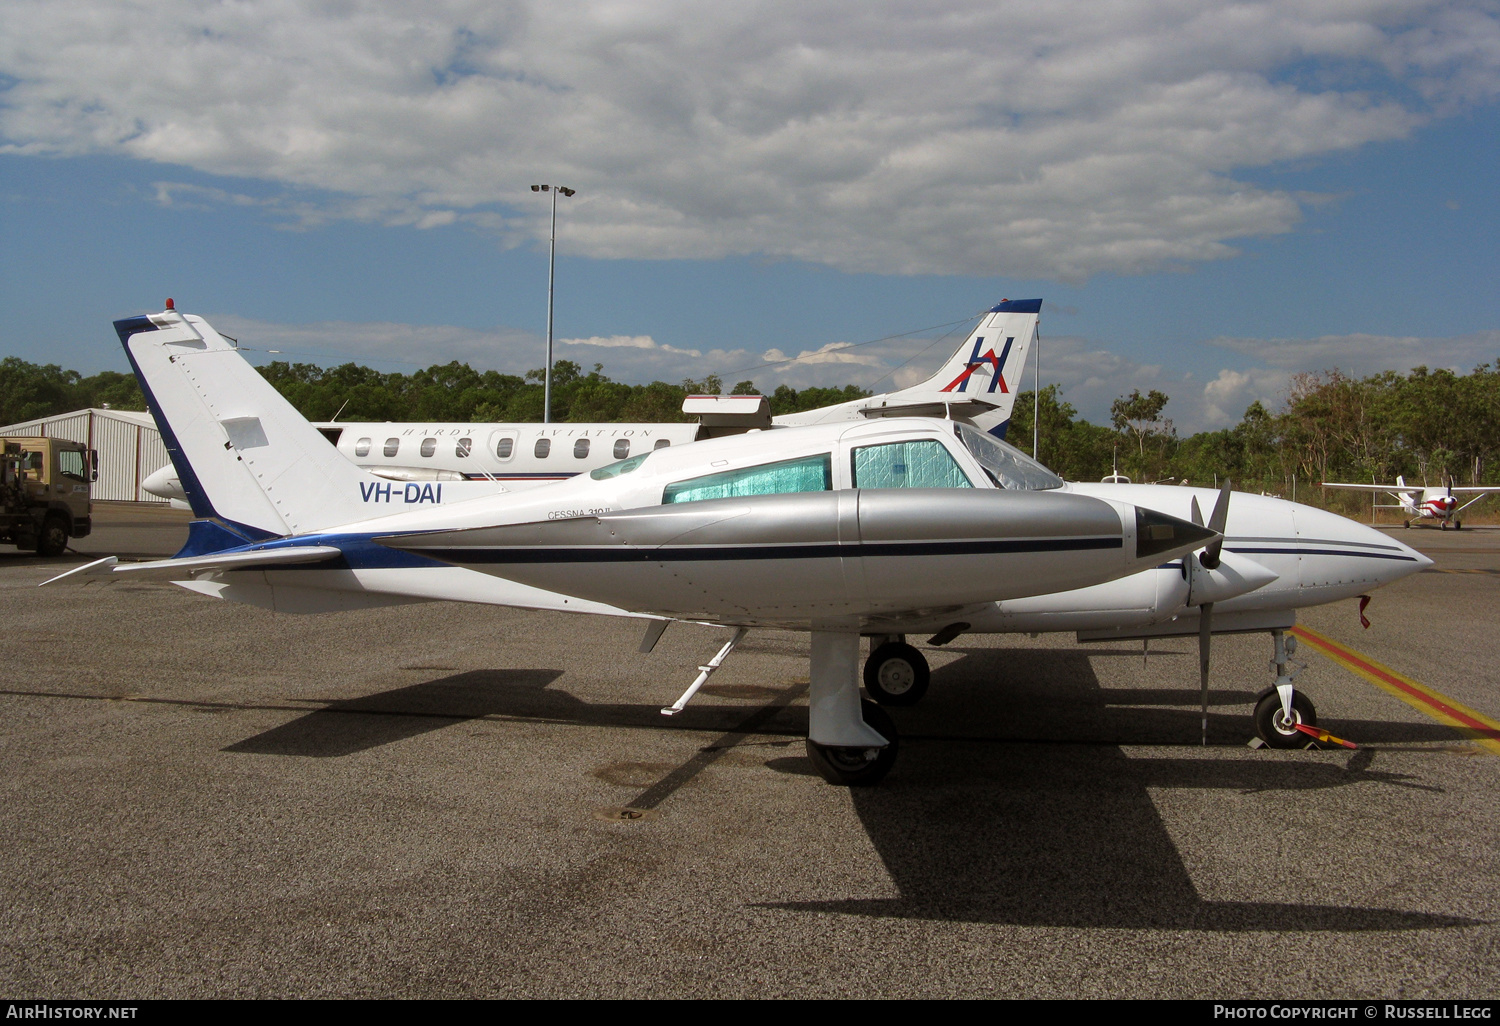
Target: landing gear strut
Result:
[1281, 706]
[851, 742]
[896, 674]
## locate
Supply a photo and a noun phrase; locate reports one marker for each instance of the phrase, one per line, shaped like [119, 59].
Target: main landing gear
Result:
[851, 742]
[1280, 707]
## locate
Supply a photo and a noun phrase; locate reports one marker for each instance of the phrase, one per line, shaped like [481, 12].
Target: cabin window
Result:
[392, 446]
[463, 448]
[918, 464]
[662, 443]
[429, 446]
[505, 447]
[362, 447]
[809, 474]
[581, 449]
[622, 448]
[610, 470]
[543, 447]
[1007, 466]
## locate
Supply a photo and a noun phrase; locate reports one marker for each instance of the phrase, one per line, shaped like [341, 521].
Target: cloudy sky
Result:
[1209, 196]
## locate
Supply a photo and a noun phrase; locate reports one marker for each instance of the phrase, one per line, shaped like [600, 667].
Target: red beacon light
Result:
[170, 304]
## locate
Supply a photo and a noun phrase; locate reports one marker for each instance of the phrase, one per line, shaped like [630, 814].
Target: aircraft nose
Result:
[1398, 559]
[1421, 561]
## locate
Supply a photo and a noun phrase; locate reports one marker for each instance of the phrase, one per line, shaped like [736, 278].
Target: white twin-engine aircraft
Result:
[877, 527]
[1424, 503]
[976, 384]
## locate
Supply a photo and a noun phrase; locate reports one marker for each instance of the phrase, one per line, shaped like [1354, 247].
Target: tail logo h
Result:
[978, 360]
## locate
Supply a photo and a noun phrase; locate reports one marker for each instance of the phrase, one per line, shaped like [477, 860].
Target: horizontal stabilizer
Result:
[171, 569]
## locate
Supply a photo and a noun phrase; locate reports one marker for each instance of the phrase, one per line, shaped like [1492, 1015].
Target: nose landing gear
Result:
[1279, 708]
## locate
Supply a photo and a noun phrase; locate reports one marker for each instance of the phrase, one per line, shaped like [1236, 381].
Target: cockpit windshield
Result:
[1007, 466]
[616, 469]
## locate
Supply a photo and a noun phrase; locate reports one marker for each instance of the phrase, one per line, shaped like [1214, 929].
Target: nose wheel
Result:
[1272, 724]
[896, 674]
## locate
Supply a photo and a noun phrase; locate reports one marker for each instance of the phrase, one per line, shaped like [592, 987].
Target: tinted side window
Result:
[581, 448]
[463, 448]
[505, 447]
[662, 443]
[923, 464]
[392, 446]
[810, 474]
[622, 448]
[543, 447]
[429, 446]
[362, 447]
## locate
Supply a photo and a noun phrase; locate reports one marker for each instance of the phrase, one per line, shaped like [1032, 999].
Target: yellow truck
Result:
[44, 493]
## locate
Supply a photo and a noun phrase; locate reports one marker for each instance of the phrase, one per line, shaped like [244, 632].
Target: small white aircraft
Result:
[976, 384]
[1278, 557]
[1423, 502]
[828, 528]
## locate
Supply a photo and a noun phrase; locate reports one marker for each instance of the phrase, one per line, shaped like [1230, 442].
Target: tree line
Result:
[1429, 425]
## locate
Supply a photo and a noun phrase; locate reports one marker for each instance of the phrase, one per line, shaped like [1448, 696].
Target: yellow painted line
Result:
[1471, 723]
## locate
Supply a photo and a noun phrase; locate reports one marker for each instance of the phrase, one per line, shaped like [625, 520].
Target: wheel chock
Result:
[1318, 734]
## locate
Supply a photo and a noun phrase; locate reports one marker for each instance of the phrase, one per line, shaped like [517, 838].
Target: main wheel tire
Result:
[858, 767]
[896, 674]
[1272, 726]
[53, 540]
[1458, 525]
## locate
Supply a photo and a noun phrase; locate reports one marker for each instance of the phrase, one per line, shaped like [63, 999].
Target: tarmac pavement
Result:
[205, 799]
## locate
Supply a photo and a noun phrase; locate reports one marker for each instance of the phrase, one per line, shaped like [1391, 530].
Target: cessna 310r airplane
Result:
[885, 526]
[795, 529]
[975, 384]
[1424, 503]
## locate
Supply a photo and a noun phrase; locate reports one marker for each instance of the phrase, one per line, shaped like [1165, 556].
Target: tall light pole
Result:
[551, 271]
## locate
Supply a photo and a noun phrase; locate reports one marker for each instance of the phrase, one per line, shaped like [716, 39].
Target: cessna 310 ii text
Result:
[826, 528]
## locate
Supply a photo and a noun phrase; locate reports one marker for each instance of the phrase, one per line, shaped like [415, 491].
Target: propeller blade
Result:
[1197, 514]
[1217, 522]
[1205, 639]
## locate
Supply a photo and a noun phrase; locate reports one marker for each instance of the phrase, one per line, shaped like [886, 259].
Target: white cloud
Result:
[628, 342]
[1227, 396]
[949, 136]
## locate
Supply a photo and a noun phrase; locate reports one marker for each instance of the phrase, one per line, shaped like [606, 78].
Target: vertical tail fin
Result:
[251, 465]
[988, 366]
[978, 383]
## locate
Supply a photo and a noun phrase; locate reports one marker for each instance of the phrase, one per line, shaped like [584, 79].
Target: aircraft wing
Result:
[1376, 487]
[1477, 489]
[178, 569]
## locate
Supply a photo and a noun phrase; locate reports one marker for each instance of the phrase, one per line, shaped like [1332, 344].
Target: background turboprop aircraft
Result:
[976, 384]
[1424, 503]
[1278, 556]
[824, 528]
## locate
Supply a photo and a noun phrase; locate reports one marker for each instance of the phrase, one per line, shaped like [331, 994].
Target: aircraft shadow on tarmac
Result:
[1067, 834]
[1012, 801]
[344, 728]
